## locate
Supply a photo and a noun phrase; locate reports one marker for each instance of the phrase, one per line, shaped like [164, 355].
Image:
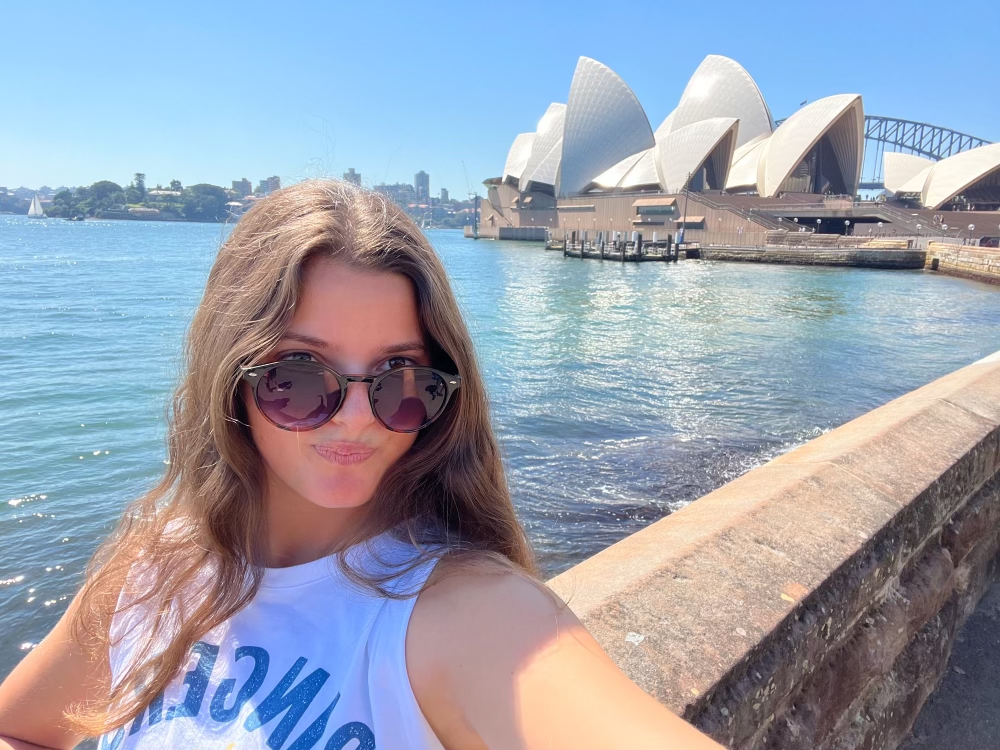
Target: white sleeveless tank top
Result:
[311, 662]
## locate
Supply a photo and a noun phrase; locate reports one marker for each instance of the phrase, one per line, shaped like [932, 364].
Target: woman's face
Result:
[358, 323]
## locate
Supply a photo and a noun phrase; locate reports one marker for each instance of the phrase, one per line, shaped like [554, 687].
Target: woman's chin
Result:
[341, 493]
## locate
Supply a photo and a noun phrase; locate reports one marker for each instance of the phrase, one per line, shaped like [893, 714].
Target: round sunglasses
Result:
[299, 395]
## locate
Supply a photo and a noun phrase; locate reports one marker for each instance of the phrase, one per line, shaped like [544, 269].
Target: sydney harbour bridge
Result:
[908, 137]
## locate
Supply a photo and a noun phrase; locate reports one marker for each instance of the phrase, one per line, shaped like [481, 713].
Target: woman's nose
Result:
[356, 409]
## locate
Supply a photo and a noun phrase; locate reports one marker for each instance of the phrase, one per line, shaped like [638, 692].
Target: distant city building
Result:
[422, 184]
[401, 194]
[352, 177]
[444, 195]
[268, 186]
[243, 187]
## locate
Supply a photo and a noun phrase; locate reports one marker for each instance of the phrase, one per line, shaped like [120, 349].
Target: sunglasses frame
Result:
[252, 375]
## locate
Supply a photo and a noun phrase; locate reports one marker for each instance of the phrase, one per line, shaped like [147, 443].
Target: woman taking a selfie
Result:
[331, 559]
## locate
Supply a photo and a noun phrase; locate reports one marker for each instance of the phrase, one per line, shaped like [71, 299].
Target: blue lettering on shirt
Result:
[284, 698]
[112, 741]
[261, 660]
[196, 681]
[315, 730]
[280, 699]
[353, 730]
[155, 714]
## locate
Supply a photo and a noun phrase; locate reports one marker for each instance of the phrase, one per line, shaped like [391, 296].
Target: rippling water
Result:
[620, 392]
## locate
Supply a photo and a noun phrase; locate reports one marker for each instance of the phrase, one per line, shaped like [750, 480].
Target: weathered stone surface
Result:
[926, 454]
[972, 388]
[979, 518]
[889, 448]
[772, 608]
[889, 708]
[797, 526]
[977, 263]
[831, 256]
[867, 655]
[977, 571]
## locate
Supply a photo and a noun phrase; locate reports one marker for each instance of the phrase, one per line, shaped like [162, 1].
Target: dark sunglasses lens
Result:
[297, 396]
[406, 400]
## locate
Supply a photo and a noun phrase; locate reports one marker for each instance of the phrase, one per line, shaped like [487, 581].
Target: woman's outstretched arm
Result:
[495, 662]
[56, 674]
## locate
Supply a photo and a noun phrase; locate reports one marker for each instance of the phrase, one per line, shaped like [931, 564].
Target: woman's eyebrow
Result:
[310, 340]
[407, 346]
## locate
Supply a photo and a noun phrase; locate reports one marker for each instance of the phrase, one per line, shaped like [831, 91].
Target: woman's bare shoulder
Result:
[461, 586]
[482, 602]
[474, 624]
[496, 659]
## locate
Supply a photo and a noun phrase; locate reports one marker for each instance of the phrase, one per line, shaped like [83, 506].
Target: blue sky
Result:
[211, 91]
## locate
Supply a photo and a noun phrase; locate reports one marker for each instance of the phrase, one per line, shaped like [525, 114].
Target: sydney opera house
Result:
[717, 163]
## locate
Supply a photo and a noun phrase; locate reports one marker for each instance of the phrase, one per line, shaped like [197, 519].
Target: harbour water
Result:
[620, 392]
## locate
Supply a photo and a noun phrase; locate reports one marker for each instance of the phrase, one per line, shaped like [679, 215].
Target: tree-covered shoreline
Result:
[106, 199]
[203, 202]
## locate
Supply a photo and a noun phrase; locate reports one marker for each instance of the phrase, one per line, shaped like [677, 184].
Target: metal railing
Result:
[900, 217]
[760, 216]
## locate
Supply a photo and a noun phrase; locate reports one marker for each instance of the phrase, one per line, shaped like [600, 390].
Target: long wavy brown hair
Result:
[448, 493]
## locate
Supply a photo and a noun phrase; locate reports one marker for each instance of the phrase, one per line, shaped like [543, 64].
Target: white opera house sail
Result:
[721, 136]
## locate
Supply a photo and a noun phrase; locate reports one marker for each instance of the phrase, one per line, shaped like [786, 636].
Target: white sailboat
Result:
[36, 212]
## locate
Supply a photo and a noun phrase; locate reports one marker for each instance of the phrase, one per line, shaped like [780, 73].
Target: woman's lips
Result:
[344, 454]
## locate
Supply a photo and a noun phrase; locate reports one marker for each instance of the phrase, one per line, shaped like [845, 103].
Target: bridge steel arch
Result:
[908, 137]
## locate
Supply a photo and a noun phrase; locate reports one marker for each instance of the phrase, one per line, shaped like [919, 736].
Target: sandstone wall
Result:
[978, 263]
[812, 602]
[829, 256]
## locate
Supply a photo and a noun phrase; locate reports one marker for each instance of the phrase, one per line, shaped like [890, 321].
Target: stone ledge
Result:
[820, 256]
[966, 261]
[725, 610]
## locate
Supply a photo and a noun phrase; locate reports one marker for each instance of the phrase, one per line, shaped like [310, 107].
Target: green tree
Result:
[204, 188]
[175, 185]
[63, 205]
[87, 201]
[99, 196]
[100, 190]
[11, 205]
[205, 202]
[140, 185]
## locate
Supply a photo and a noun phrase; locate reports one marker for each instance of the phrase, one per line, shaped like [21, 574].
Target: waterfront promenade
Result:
[948, 259]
